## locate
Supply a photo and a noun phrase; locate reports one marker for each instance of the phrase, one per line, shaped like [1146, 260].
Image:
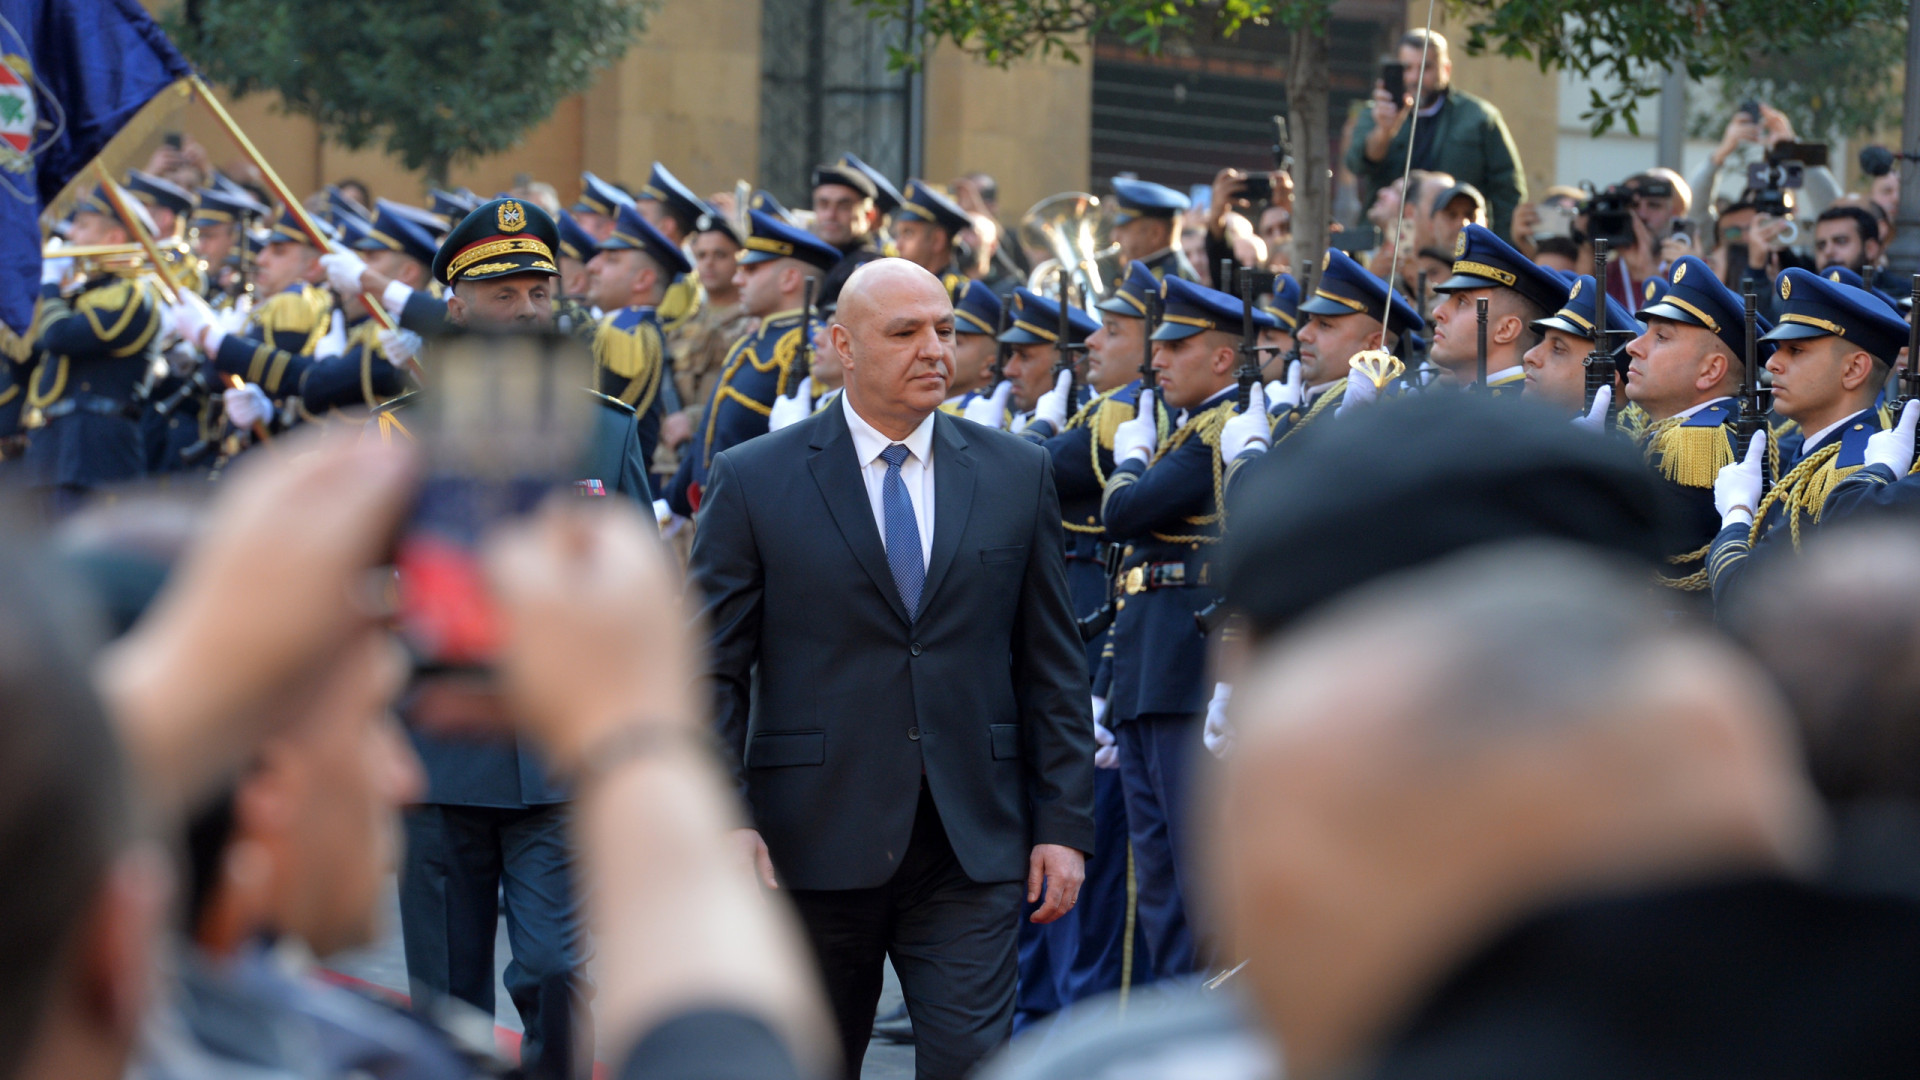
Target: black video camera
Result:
[1609, 215]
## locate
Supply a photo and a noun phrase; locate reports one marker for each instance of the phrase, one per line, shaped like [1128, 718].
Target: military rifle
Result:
[997, 374]
[1092, 626]
[1064, 346]
[1752, 415]
[1149, 378]
[1249, 340]
[1480, 314]
[803, 362]
[1600, 363]
[1913, 351]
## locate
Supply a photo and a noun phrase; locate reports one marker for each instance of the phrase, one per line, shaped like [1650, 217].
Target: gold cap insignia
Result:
[1833, 275]
[1786, 287]
[1460, 244]
[1163, 289]
[1650, 290]
[1326, 258]
[1679, 272]
[1575, 292]
[511, 216]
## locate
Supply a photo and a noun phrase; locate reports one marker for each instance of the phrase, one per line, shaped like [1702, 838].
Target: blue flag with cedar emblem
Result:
[73, 73]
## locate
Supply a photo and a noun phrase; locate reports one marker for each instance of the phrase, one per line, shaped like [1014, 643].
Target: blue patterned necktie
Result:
[903, 531]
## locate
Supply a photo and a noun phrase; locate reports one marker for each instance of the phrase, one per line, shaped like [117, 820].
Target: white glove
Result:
[247, 405]
[1105, 755]
[334, 341]
[399, 345]
[662, 513]
[1290, 394]
[54, 271]
[1595, 419]
[1250, 429]
[1360, 393]
[1052, 406]
[395, 295]
[1736, 491]
[1894, 447]
[196, 324]
[234, 319]
[1218, 734]
[1138, 437]
[343, 271]
[793, 407]
[990, 409]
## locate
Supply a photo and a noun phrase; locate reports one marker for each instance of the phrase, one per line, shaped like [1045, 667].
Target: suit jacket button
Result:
[915, 649]
[913, 733]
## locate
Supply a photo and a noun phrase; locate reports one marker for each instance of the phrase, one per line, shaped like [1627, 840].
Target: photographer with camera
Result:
[1754, 134]
[1238, 201]
[1457, 132]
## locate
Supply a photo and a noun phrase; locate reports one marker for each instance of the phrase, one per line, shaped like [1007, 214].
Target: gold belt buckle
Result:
[1136, 580]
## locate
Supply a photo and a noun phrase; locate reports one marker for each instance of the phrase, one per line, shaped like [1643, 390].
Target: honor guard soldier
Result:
[1283, 303]
[673, 209]
[371, 370]
[886, 202]
[630, 277]
[1833, 348]
[293, 311]
[91, 355]
[1032, 368]
[760, 367]
[452, 206]
[1683, 374]
[1518, 293]
[572, 313]
[1557, 367]
[598, 206]
[845, 215]
[925, 228]
[1338, 322]
[1163, 503]
[220, 223]
[1081, 955]
[168, 204]
[699, 345]
[1146, 226]
[976, 319]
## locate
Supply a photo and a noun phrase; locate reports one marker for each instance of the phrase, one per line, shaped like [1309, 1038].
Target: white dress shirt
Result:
[916, 473]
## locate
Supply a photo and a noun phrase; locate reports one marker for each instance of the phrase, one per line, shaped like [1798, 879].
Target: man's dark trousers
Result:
[495, 828]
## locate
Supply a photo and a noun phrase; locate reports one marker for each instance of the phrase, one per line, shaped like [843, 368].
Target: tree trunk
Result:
[1904, 255]
[1309, 101]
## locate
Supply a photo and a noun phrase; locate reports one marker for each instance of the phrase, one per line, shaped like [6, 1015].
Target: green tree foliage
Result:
[440, 83]
[1837, 87]
[1744, 42]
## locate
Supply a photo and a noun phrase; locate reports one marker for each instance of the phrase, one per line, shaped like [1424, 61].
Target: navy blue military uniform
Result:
[1168, 513]
[572, 314]
[1482, 260]
[1814, 478]
[1143, 198]
[493, 826]
[630, 361]
[758, 368]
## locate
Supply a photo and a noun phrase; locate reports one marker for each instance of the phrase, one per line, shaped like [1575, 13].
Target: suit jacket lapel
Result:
[837, 472]
[952, 500]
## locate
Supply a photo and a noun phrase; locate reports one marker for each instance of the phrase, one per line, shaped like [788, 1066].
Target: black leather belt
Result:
[1154, 575]
[92, 403]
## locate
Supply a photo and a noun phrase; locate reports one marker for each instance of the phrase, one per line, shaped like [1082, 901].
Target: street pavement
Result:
[384, 964]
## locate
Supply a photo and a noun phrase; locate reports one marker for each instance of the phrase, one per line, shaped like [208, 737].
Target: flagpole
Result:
[139, 230]
[281, 191]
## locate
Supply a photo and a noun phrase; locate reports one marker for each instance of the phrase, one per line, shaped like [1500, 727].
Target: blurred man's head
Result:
[1675, 366]
[82, 901]
[1328, 342]
[1442, 754]
[1846, 236]
[771, 286]
[1454, 210]
[716, 256]
[842, 216]
[1660, 196]
[1114, 351]
[923, 243]
[283, 263]
[625, 277]
[90, 229]
[893, 333]
[1438, 70]
[515, 301]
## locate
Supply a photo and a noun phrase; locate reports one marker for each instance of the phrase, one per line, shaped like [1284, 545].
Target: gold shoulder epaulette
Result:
[1689, 456]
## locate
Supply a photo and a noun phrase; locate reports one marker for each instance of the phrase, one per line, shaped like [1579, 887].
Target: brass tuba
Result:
[1078, 236]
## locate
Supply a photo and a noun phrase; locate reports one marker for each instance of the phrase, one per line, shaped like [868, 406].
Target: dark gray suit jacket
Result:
[832, 701]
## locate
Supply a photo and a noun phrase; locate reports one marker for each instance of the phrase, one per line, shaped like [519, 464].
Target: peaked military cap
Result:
[844, 174]
[1576, 316]
[1188, 309]
[575, 242]
[1847, 277]
[342, 205]
[392, 231]
[1130, 296]
[1651, 291]
[599, 197]
[159, 191]
[218, 207]
[435, 225]
[715, 221]
[764, 202]
[499, 238]
[666, 189]
[773, 238]
[1035, 320]
[352, 233]
[1347, 288]
[975, 309]
[1283, 303]
[1813, 306]
[922, 203]
[1482, 260]
[453, 205]
[885, 195]
[1144, 198]
[631, 232]
[288, 231]
[1697, 298]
